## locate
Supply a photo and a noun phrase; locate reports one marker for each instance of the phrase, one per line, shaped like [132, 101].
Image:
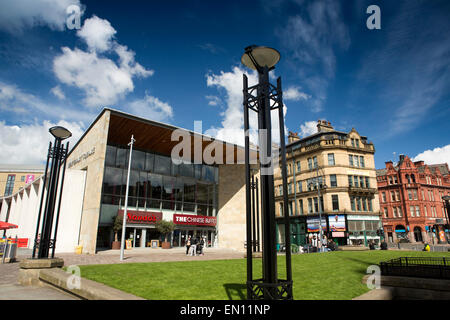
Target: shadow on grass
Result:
[366, 263]
[238, 291]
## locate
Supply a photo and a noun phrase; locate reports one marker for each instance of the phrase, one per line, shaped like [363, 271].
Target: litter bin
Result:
[9, 251]
[78, 249]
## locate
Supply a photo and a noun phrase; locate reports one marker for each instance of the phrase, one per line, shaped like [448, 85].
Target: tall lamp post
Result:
[319, 203]
[124, 223]
[56, 155]
[263, 98]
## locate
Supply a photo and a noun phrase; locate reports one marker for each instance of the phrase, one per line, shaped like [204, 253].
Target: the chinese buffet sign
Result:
[194, 220]
[142, 217]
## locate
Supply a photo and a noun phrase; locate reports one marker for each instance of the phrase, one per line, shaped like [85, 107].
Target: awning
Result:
[6, 225]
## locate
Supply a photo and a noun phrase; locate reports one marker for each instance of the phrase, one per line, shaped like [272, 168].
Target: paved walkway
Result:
[147, 255]
[10, 290]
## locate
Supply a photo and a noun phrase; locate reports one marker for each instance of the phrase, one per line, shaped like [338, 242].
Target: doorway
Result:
[418, 234]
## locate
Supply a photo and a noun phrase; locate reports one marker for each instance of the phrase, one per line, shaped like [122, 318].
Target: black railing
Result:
[436, 268]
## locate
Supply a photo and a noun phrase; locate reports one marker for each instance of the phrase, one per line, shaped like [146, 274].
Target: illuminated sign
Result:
[141, 217]
[194, 220]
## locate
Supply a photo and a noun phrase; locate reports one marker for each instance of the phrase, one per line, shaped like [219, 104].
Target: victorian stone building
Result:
[341, 165]
[411, 202]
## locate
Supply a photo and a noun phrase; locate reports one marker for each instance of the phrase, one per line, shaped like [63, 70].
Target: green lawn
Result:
[317, 276]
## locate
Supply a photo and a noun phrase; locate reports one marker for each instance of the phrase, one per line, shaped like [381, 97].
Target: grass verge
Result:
[316, 276]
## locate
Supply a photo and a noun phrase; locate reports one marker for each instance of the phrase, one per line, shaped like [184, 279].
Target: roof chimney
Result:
[293, 136]
[324, 126]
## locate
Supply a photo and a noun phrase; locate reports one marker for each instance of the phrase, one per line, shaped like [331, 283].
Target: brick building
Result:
[411, 203]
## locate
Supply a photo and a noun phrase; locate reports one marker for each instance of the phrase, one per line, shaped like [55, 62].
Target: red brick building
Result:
[411, 202]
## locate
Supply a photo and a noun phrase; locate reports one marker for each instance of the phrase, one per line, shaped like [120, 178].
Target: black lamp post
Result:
[263, 98]
[57, 155]
[446, 200]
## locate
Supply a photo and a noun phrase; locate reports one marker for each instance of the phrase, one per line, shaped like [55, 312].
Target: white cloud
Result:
[15, 100]
[311, 38]
[16, 15]
[308, 128]
[294, 93]
[213, 100]
[232, 129]
[435, 156]
[103, 81]
[28, 144]
[97, 33]
[57, 92]
[151, 108]
[100, 78]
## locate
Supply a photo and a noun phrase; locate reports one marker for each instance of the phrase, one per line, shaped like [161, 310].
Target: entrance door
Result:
[418, 234]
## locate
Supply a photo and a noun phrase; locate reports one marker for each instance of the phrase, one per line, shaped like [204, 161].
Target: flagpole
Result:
[122, 243]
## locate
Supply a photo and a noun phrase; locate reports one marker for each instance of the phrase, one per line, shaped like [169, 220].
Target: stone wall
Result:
[89, 155]
[231, 215]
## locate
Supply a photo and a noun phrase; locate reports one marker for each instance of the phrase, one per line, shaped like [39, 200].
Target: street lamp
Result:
[57, 155]
[263, 98]
[124, 221]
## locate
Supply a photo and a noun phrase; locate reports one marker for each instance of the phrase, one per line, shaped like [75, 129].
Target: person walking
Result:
[188, 245]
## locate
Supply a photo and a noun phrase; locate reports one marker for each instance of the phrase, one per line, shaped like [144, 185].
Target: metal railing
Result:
[423, 267]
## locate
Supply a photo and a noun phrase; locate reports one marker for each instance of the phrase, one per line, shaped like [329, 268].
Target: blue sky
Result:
[179, 61]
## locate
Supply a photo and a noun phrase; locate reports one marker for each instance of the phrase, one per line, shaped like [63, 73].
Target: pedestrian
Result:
[384, 246]
[201, 244]
[193, 247]
[324, 243]
[188, 244]
[371, 245]
[314, 243]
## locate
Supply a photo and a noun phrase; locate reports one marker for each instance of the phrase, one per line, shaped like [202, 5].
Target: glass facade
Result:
[156, 184]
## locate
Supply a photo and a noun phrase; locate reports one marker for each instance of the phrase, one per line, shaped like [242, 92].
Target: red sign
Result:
[142, 217]
[194, 220]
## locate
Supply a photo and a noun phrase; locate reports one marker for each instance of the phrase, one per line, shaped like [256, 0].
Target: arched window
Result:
[413, 178]
[408, 178]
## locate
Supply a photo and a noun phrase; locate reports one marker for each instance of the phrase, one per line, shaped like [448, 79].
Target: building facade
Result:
[340, 166]
[201, 197]
[411, 202]
[14, 177]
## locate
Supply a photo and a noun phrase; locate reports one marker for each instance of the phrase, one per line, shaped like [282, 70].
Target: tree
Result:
[165, 227]
[117, 226]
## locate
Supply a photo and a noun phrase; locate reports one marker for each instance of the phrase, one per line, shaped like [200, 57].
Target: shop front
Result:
[363, 228]
[194, 226]
[338, 229]
[313, 228]
[298, 231]
[141, 227]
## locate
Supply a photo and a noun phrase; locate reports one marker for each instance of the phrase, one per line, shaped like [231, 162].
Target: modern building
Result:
[340, 166]
[411, 202]
[202, 197]
[13, 177]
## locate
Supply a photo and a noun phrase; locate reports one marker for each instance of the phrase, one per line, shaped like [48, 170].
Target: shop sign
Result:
[338, 234]
[363, 217]
[185, 219]
[141, 217]
[312, 224]
[82, 157]
[337, 223]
